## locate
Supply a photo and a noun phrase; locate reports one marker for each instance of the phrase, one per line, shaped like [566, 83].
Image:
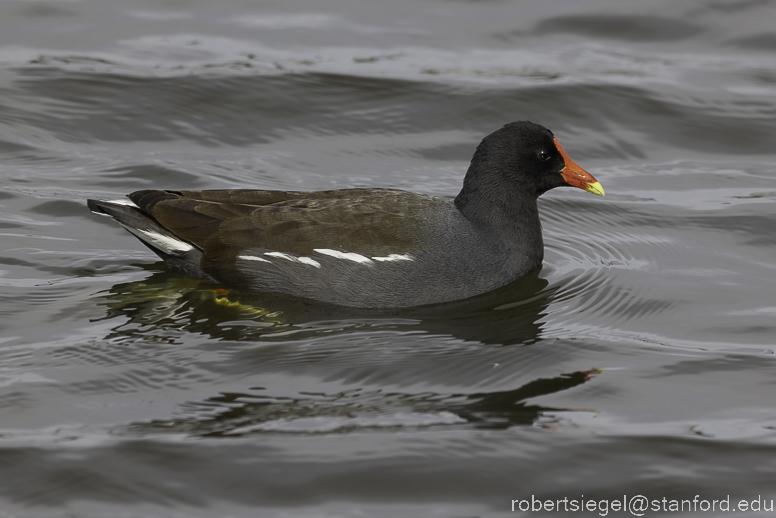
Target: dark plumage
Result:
[366, 247]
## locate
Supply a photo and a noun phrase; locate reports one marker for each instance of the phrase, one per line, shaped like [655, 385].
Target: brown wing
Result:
[373, 222]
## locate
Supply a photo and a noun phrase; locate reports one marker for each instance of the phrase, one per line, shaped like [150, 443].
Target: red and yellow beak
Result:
[575, 176]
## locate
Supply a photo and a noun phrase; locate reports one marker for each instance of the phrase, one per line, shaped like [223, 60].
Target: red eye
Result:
[544, 156]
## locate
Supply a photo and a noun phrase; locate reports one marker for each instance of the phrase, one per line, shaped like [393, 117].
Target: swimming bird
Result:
[368, 248]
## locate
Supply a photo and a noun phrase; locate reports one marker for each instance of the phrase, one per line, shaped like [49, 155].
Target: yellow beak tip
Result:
[595, 188]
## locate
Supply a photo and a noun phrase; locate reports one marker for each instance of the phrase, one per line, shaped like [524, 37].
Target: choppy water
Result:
[640, 360]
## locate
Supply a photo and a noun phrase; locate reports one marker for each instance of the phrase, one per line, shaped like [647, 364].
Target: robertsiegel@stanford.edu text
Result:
[638, 505]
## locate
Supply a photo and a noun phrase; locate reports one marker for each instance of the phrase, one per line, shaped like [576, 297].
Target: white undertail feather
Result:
[123, 201]
[166, 244]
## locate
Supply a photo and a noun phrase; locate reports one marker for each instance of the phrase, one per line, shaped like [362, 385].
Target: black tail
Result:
[176, 252]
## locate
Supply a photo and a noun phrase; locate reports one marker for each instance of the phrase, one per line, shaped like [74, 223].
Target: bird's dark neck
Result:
[512, 216]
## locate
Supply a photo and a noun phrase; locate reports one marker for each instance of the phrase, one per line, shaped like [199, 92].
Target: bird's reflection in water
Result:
[166, 302]
[238, 414]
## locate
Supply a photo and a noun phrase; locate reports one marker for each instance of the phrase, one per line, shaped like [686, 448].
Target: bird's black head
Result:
[519, 162]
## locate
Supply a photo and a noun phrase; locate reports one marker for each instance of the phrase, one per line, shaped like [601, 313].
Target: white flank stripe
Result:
[311, 262]
[252, 258]
[350, 256]
[294, 258]
[287, 257]
[394, 257]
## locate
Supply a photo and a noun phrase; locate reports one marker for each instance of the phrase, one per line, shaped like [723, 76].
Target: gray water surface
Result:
[638, 361]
